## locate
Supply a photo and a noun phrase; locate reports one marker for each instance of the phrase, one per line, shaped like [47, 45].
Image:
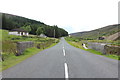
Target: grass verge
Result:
[79, 45]
[12, 60]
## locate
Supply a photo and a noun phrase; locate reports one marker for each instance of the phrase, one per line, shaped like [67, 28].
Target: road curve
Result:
[64, 61]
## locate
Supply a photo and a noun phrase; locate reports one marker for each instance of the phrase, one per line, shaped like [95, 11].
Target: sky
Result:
[71, 15]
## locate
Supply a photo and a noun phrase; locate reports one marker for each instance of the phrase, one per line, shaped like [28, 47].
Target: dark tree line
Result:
[10, 22]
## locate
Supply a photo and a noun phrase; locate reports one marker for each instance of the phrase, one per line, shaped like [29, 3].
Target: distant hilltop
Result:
[106, 31]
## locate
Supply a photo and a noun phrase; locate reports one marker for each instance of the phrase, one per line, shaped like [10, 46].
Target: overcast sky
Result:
[72, 15]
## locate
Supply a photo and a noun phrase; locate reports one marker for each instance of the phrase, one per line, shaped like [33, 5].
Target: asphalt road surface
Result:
[64, 61]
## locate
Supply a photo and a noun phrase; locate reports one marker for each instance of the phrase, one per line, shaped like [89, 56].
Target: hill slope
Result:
[10, 22]
[94, 34]
[115, 36]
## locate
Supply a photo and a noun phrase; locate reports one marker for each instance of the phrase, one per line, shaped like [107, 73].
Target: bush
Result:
[3, 34]
[8, 47]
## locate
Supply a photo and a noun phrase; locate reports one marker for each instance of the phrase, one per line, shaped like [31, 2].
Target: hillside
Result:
[94, 34]
[115, 36]
[10, 22]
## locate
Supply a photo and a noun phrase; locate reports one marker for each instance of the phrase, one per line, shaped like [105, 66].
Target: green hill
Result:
[94, 34]
[10, 22]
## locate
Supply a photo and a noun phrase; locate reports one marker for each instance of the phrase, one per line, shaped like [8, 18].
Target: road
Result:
[64, 61]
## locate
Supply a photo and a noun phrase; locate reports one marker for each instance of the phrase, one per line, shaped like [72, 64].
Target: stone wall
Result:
[112, 49]
[21, 46]
[97, 46]
[105, 48]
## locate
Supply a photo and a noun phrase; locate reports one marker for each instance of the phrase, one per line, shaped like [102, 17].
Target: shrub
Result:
[3, 34]
[8, 47]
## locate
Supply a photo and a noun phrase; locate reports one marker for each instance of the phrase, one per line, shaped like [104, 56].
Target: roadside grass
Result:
[12, 60]
[8, 43]
[51, 45]
[3, 34]
[116, 43]
[79, 45]
[77, 39]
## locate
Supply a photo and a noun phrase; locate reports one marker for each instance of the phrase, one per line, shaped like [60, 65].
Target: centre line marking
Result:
[64, 52]
[66, 70]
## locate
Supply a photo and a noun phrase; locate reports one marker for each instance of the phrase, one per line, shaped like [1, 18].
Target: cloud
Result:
[72, 15]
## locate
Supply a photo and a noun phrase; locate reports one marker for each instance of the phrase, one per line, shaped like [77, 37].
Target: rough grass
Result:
[77, 39]
[116, 43]
[12, 60]
[8, 42]
[79, 45]
[9, 48]
[3, 34]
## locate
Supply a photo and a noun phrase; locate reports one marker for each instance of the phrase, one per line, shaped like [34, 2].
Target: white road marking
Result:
[64, 51]
[66, 70]
[66, 67]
